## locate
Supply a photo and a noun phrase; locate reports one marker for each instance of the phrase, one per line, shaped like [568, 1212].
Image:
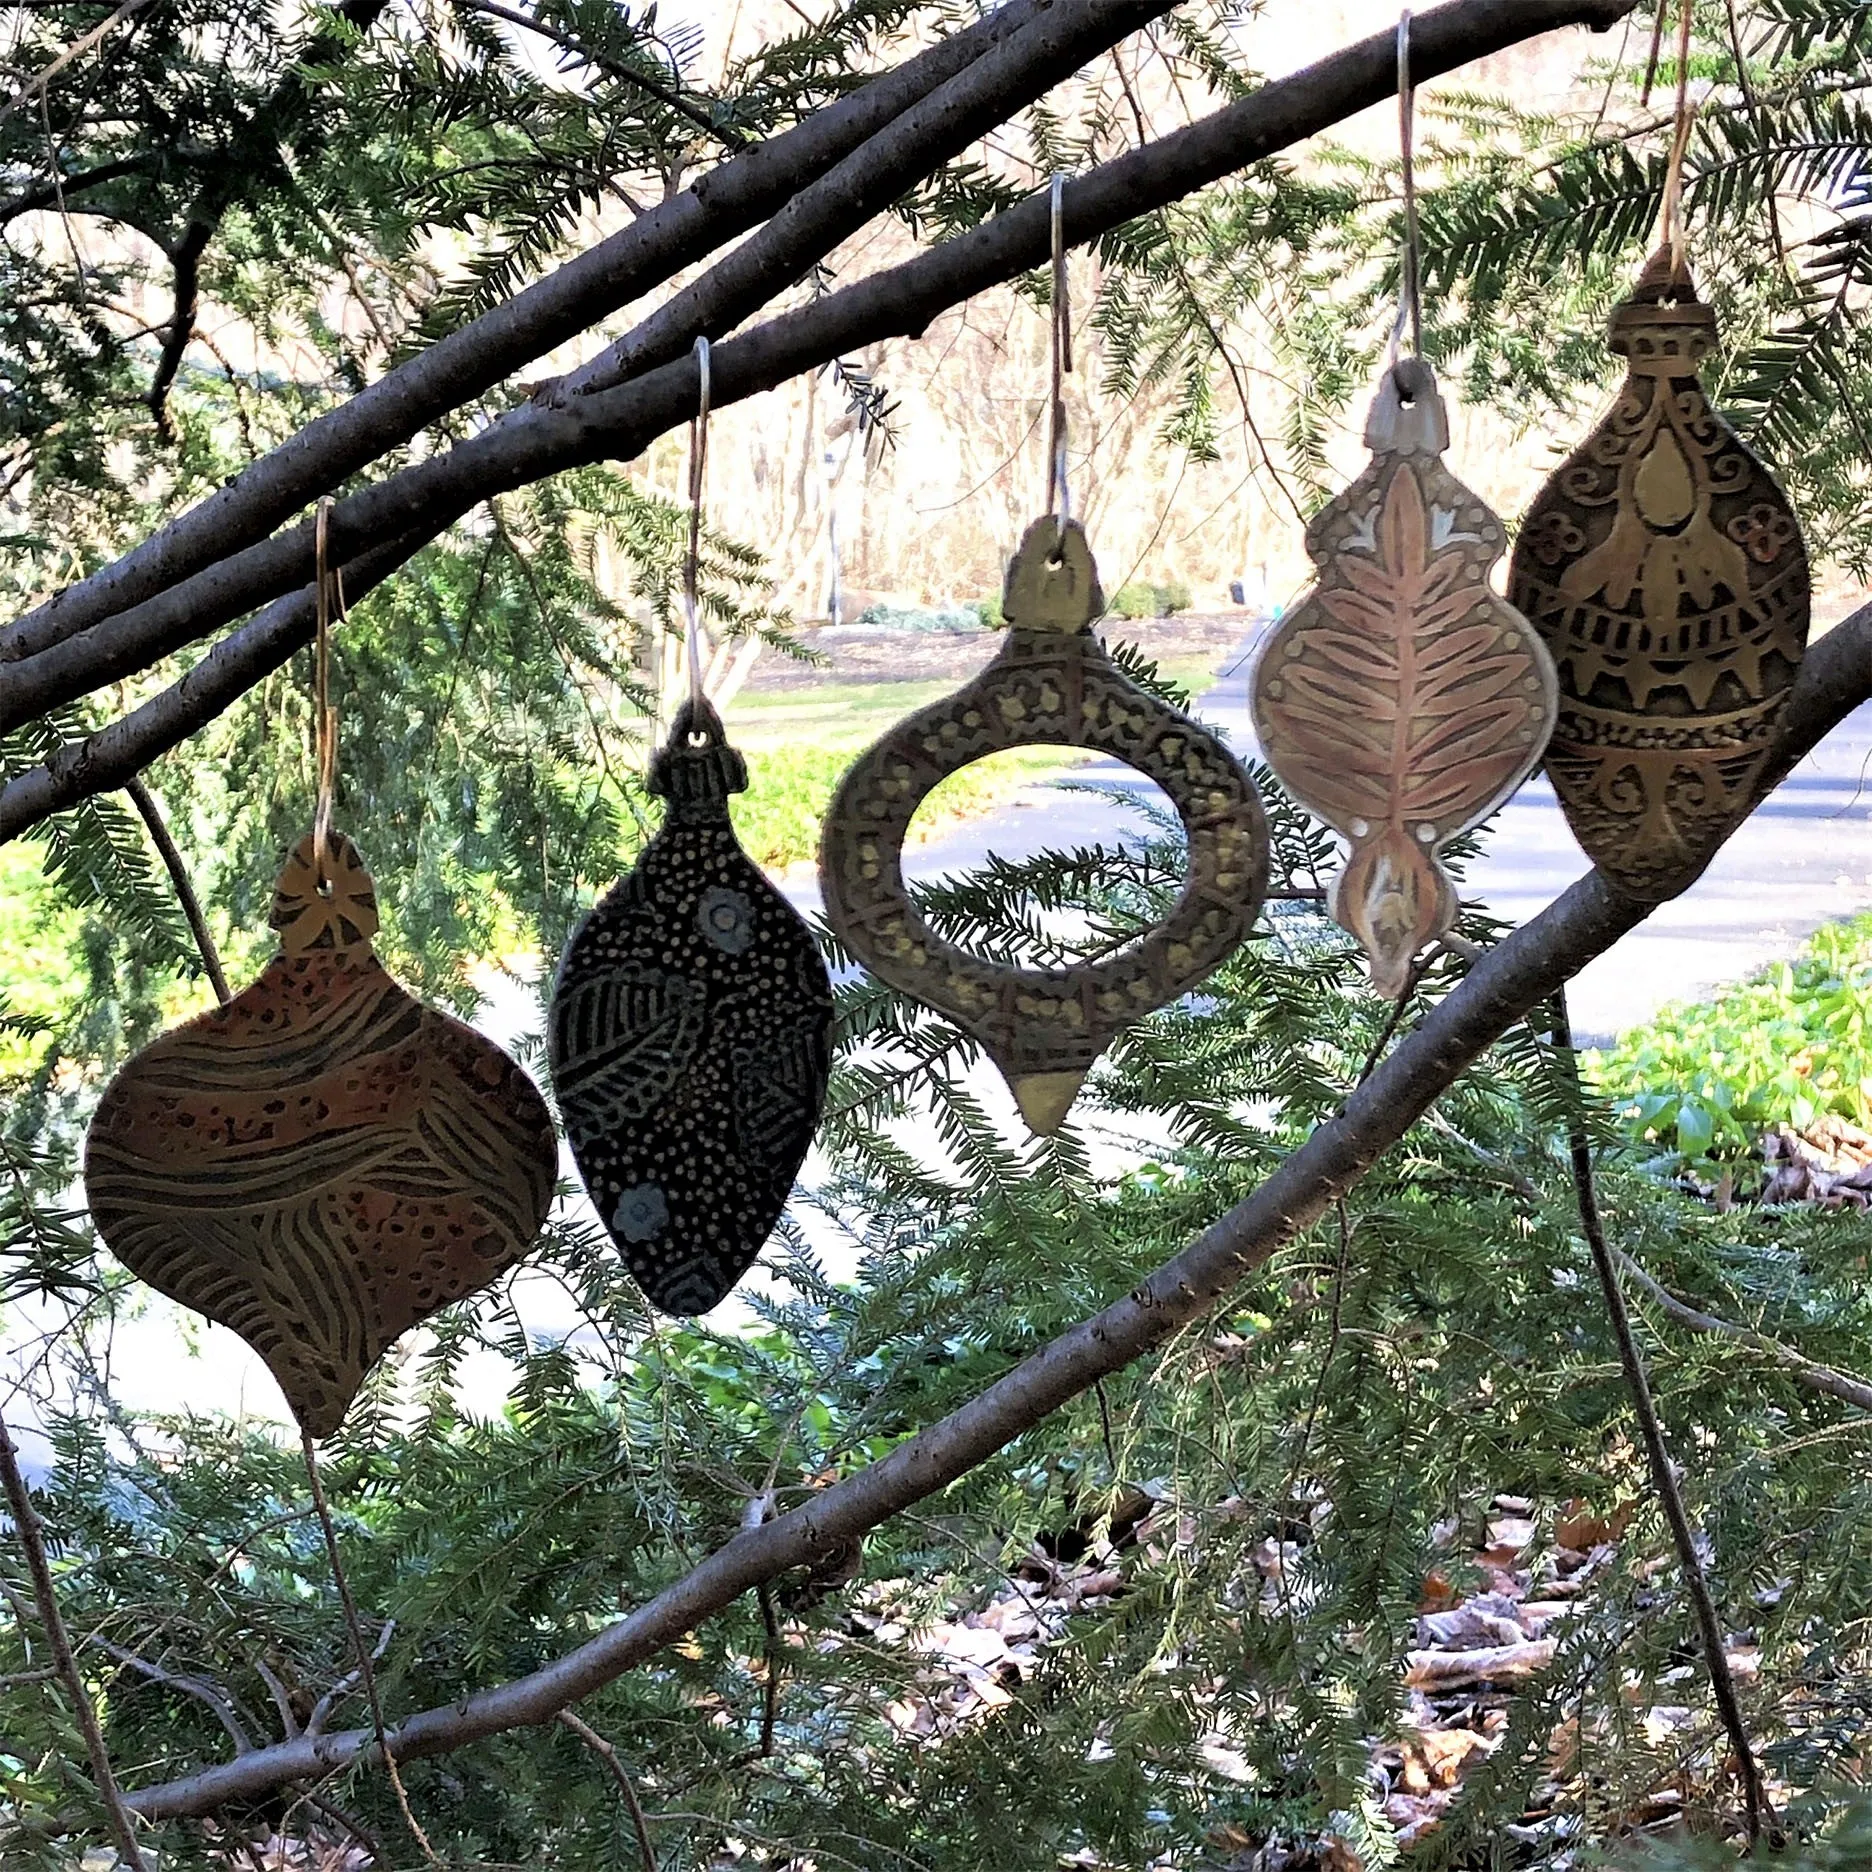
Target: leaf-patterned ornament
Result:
[1051, 684]
[691, 1038]
[1665, 569]
[324, 1161]
[1402, 700]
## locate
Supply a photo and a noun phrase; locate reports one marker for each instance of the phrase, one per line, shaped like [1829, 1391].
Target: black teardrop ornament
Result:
[690, 1038]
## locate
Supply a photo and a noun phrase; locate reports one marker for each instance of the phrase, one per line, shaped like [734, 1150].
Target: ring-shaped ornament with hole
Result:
[1051, 684]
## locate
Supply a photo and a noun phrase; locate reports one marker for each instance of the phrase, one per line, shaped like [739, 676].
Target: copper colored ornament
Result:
[324, 1161]
[1401, 700]
[1051, 684]
[691, 1038]
[1665, 569]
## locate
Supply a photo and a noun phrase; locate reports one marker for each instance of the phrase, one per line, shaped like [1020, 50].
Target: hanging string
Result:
[1058, 496]
[692, 559]
[366, 1670]
[1671, 229]
[331, 603]
[1410, 264]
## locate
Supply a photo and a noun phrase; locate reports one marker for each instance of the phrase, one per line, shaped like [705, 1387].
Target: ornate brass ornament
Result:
[1401, 700]
[1052, 684]
[1665, 569]
[324, 1161]
[691, 1038]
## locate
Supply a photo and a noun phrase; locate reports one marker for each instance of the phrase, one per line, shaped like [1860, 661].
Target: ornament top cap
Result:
[1407, 415]
[1052, 581]
[696, 769]
[1661, 326]
[334, 913]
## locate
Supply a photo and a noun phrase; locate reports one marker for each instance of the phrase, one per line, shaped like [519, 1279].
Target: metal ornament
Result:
[1402, 700]
[323, 1161]
[690, 1038]
[1665, 569]
[1052, 684]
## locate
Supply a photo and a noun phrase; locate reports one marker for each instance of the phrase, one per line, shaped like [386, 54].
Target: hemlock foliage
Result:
[1277, 1492]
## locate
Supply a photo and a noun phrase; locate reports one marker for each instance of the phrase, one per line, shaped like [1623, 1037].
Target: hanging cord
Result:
[331, 603]
[1671, 227]
[1757, 1811]
[361, 1650]
[1410, 264]
[31, 1536]
[1059, 497]
[692, 559]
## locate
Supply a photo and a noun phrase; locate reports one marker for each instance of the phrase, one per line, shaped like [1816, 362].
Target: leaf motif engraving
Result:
[1402, 701]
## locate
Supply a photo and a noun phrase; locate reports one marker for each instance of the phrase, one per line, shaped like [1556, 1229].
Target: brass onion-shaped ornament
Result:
[1402, 700]
[1051, 684]
[691, 1038]
[1665, 569]
[324, 1161]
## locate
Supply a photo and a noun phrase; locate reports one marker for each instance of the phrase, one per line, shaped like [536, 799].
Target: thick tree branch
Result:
[800, 234]
[1506, 984]
[544, 438]
[722, 204]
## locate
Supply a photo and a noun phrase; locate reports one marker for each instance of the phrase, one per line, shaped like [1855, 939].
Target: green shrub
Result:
[1703, 1080]
[1138, 600]
[988, 612]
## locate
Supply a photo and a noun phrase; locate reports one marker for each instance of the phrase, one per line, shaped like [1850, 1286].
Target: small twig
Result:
[197, 1687]
[356, 1828]
[166, 849]
[1105, 1428]
[770, 1694]
[1757, 1810]
[607, 1753]
[26, 1525]
[322, 1709]
[356, 1629]
[1798, 1365]
[33, 86]
[603, 62]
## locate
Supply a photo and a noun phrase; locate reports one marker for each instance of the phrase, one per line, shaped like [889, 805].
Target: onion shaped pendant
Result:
[691, 1038]
[1402, 700]
[324, 1161]
[1051, 684]
[1665, 569]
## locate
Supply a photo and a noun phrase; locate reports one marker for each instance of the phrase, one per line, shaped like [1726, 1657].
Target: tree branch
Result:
[677, 233]
[1506, 984]
[1797, 1365]
[607, 1753]
[803, 232]
[166, 849]
[542, 439]
[31, 1535]
[600, 61]
[197, 1687]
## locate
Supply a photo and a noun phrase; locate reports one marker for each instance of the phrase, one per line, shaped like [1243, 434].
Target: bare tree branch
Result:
[31, 1537]
[197, 1687]
[722, 204]
[1505, 985]
[179, 881]
[33, 86]
[542, 439]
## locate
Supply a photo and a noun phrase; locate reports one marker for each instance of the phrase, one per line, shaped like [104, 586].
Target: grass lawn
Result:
[799, 744]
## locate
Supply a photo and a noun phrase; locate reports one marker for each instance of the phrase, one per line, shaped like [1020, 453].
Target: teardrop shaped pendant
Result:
[1051, 684]
[690, 1038]
[1401, 700]
[324, 1161]
[1665, 569]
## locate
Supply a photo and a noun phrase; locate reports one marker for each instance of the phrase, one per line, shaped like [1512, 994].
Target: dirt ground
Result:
[856, 653]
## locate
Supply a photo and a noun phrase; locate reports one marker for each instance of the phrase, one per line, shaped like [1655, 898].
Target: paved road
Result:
[1805, 857]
